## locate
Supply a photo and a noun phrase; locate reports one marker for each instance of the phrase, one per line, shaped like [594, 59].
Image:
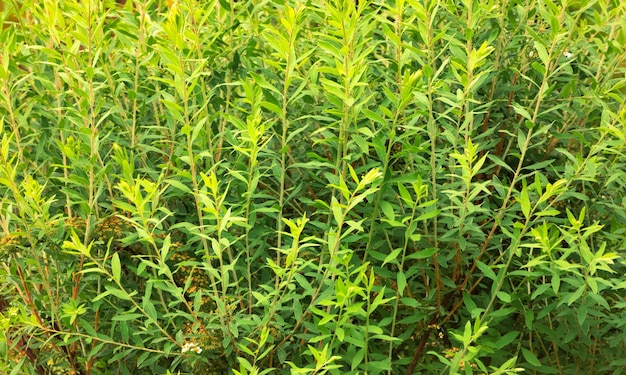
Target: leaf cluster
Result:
[359, 187]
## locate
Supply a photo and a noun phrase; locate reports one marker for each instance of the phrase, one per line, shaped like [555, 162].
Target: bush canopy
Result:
[311, 187]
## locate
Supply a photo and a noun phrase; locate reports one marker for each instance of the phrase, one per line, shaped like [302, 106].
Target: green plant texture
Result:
[312, 187]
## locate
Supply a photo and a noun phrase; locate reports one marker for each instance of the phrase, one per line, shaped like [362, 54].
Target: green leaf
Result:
[336, 210]
[401, 280]
[521, 140]
[471, 305]
[499, 162]
[405, 195]
[167, 242]
[573, 297]
[393, 256]
[178, 185]
[504, 296]
[428, 215]
[529, 318]
[357, 358]
[340, 334]
[387, 209]
[521, 111]
[486, 270]
[506, 339]
[548, 212]
[88, 328]
[503, 312]
[421, 254]
[467, 334]
[581, 314]
[530, 357]
[116, 268]
[543, 53]
[150, 310]
[410, 302]
[379, 300]
[375, 117]
[524, 202]
[110, 290]
[125, 317]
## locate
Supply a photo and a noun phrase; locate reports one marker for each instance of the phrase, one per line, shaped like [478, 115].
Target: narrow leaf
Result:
[116, 267]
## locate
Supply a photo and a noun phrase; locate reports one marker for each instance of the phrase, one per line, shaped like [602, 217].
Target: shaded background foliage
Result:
[311, 187]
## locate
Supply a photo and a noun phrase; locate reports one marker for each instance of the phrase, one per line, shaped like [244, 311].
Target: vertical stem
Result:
[194, 179]
[90, 123]
[227, 81]
[283, 156]
[433, 131]
[138, 52]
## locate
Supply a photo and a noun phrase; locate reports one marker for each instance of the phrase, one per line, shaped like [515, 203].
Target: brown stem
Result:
[29, 300]
[424, 340]
[419, 351]
[21, 344]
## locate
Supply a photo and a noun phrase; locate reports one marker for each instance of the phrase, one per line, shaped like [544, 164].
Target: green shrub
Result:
[247, 187]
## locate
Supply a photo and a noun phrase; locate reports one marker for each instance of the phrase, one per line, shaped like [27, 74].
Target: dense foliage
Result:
[342, 187]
